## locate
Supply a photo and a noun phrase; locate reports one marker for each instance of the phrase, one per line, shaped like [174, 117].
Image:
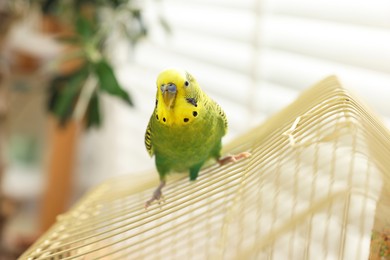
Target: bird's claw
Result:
[157, 196]
[233, 158]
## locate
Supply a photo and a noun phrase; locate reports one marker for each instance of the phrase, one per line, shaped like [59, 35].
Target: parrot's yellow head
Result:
[177, 98]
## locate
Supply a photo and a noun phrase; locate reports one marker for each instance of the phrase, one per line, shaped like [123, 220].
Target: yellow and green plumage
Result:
[185, 129]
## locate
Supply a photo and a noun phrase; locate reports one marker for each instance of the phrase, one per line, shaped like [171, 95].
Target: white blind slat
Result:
[344, 43]
[299, 72]
[272, 97]
[242, 4]
[233, 24]
[373, 13]
[210, 49]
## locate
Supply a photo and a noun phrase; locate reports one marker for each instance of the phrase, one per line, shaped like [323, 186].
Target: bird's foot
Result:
[157, 195]
[233, 158]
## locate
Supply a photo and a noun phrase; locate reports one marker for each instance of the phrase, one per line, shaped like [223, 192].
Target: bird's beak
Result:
[169, 94]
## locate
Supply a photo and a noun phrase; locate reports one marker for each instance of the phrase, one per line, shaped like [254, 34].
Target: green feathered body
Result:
[183, 139]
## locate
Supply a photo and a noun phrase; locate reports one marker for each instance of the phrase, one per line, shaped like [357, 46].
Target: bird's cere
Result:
[168, 88]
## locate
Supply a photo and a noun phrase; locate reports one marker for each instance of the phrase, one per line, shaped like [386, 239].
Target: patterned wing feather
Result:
[222, 114]
[148, 139]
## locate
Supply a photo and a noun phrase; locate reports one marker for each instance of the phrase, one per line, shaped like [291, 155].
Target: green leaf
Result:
[165, 25]
[68, 94]
[69, 39]
[84, 27]
[108, 82]
[93, 113]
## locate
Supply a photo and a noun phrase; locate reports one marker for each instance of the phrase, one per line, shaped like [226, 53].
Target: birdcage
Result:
[316, 187]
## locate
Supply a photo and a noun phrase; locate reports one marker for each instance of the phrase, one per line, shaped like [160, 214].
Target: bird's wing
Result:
[148, 139]
[222, 115]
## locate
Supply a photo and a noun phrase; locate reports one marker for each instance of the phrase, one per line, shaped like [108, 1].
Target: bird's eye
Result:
[186, 83]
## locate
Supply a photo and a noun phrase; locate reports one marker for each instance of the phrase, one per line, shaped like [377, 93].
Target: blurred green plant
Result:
[91, 22]
[23, 149]
[90, 32]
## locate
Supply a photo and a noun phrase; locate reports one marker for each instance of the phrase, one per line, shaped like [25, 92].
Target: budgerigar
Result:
[185, 129]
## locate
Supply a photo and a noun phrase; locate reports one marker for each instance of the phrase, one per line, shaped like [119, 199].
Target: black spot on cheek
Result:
[186, 120]
[194, 113]
[164, 119]
[156, 102]
[157, 117]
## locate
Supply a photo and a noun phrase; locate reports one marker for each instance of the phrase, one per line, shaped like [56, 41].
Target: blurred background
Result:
[77, 82]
